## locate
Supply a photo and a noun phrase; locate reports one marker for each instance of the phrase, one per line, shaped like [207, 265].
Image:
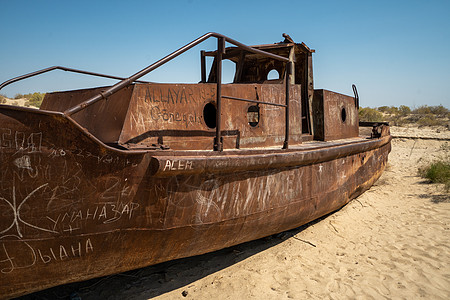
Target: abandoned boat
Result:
[104, 180]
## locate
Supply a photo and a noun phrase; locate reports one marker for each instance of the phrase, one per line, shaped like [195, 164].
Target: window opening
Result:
[228, 71]
[209, 115]
[343, 115]
[253, 115]
[273, 74]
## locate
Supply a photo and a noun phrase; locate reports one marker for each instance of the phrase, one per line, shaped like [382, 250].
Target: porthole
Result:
[343, 115]
[253, 115]
[209, 115]
[273, 74]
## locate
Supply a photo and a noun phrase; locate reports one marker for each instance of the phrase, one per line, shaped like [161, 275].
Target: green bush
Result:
[439, 110]
[430, 120]
[367, 114]
[437, 172]
[388, 109]
[383, 109]
[35, 99]
[18, 96]
[395, 115]
[396, 120]
[404, 110]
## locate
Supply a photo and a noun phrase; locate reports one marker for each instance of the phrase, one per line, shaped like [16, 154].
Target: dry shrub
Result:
[430, 120]
[367, 114]
[437, 172]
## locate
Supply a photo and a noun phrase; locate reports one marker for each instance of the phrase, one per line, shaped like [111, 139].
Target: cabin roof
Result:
[234, 53]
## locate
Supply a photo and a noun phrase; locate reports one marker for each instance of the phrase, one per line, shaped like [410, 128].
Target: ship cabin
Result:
[271, 103]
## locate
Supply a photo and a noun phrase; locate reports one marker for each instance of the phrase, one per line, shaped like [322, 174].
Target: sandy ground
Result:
[393, 242]
[19, 102]
[440, 133]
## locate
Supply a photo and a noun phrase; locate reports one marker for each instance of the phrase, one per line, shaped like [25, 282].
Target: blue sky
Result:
[396, 52]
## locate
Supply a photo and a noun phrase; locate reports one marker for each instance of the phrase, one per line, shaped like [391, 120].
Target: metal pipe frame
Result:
[203, 65]
[15, 79]
[218, 145]
[253, 101]
[355, 92]
[287, 81]
[118, 86]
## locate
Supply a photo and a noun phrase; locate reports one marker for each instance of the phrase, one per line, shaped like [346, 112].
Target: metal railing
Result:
[221, 39]
[15, 79]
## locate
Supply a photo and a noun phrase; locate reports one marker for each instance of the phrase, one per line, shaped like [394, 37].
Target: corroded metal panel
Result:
[174, 115]
[56, 197]
[335, 116]
[103, 119]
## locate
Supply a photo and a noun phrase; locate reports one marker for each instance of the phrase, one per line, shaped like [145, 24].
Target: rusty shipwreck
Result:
[104, 180]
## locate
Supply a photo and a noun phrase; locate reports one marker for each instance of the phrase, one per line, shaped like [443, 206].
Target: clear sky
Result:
[396, 52]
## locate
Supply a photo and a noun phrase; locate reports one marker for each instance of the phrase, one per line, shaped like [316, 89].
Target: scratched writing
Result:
[55, 152]
[24, 166]
[106, 213]
[100, 158]
[207, 94]
[114, 188]
[32, 255]
[171, 95]
[65, 252]
[23, 162]
[20, 141]
[174, 165]
[212, 199]
[15, 204]
[206, 197]
[187, 119]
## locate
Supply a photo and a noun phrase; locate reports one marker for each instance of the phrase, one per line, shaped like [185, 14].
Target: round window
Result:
[209, 115]
[253, 115]
[273, 74]
[343, 115]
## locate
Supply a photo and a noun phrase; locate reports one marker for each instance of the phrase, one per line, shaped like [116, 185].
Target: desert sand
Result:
[18, 102]
[392, 242]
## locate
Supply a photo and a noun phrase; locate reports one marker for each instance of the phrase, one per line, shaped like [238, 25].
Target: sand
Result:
[18, 102]
[393, 242]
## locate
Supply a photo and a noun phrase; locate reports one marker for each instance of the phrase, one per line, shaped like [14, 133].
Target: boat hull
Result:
[75, 209]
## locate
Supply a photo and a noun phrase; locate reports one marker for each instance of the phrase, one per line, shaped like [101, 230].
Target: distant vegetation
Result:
[33, 99]
[399, 116]
[368, 114]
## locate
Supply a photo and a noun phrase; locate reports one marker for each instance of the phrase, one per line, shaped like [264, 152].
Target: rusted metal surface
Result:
[253, 68]
[73, 211]
[335, 116]
[134, 180]
[173, 115]
[103, 119]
